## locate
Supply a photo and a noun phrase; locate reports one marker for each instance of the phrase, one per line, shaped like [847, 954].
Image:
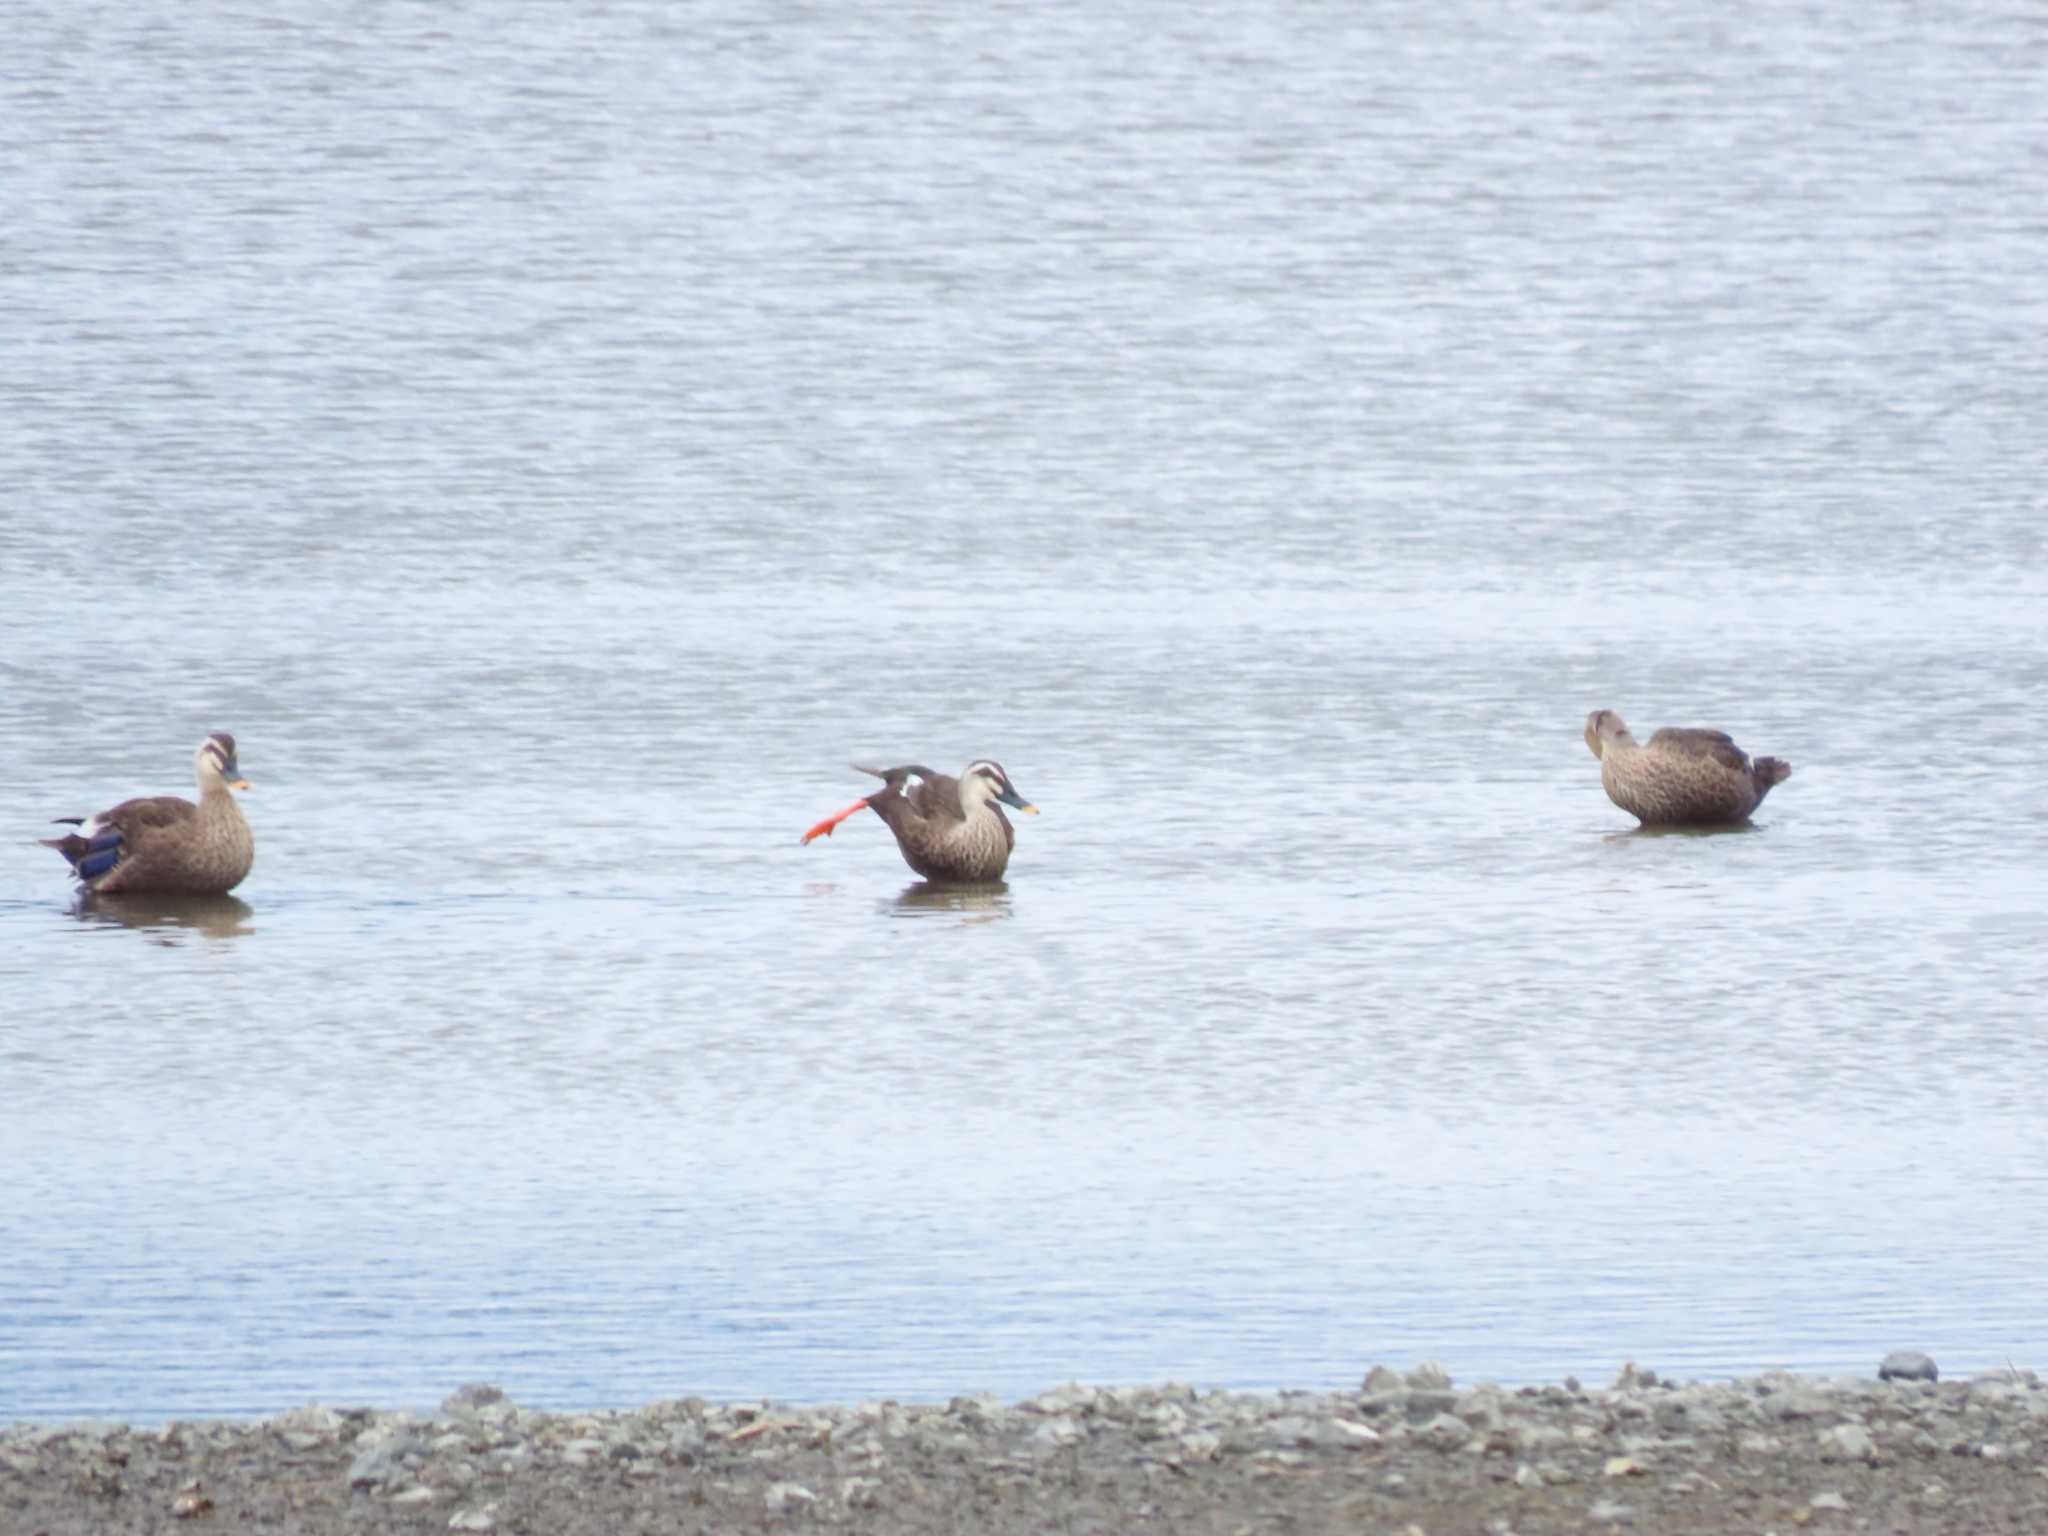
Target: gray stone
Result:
[1907, 1365]
[1071, 1398]
[861, 1492]
[1482, 1408]
[1694, 1418]
[1829, 1500]
[484, 1519]
[1430, 1377]
[1801, 1403]
[1055, 1433]
[1538, 1437]
[1389, 1402]
[1289, 1430]
[1425, 1403]
[465, 1401]
[1611, 1512]
[375, 1467]
[1380, 1379]
[312, 1419]
[782, 1496]
[1446, 1432]
[1847, 1442]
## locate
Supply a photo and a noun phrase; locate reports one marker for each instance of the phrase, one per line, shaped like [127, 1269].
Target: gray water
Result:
[556, 441]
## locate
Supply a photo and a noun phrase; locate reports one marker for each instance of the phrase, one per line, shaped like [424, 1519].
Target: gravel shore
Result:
[1403, 1454]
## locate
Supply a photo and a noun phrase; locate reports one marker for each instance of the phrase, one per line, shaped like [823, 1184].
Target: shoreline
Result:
[1399, 1453]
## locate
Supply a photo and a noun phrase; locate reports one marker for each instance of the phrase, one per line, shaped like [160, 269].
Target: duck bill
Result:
[238, 782]
[1015, 801]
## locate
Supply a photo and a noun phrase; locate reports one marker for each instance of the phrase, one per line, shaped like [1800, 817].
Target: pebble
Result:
[1847, 1442]
[782, 1496]
[1645, 1436]
[1802, 1403]
[465, 1400]
[375, 1467]
[1056, 1433]
[1446, 1432]
[1907, 1365]
[313, 1419]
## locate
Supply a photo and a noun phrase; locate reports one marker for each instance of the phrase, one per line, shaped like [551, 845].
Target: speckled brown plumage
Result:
[951, 831]
[1683, 777]
[163, 845]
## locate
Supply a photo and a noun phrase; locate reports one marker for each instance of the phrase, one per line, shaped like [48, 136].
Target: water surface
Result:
[556, 446]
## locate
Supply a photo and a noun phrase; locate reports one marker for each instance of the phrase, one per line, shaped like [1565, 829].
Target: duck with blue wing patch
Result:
[167, 846]
[951, 831]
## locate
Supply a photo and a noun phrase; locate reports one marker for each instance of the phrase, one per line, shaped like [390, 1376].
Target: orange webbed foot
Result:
[824, 828]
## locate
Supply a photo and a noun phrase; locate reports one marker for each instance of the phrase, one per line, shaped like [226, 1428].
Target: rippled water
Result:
[556, 444]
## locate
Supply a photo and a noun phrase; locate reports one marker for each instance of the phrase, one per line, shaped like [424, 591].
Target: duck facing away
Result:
[1683, 777]
[951, 831]
[166, 846]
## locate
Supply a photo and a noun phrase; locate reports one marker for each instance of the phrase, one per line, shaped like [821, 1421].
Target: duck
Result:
[1684, 777]
[951, 831]
[163, 845]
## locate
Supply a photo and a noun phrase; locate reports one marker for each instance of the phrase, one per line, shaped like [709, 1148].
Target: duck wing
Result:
[1687, 741]
[937, 797]
[102, 841]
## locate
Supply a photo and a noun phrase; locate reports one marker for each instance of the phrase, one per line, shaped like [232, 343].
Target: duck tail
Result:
[89, 856]
[895, 777]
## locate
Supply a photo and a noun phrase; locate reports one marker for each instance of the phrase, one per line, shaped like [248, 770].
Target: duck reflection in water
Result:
[1733, 829]
[972, 903]
[218, 917]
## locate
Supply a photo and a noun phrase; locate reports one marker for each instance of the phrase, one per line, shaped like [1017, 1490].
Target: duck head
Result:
[1604, 728]
[215, 762]
[985, 781]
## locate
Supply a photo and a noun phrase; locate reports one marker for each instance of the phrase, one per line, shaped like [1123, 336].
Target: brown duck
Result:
[951, 831]
[1684, 777]
[164, 845]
